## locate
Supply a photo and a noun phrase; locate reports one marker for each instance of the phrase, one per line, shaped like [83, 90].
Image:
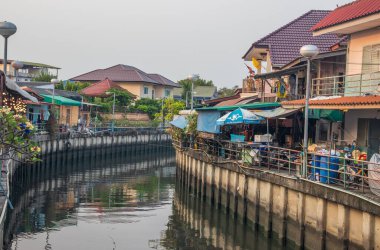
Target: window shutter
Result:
[366, 67]
[371, 59]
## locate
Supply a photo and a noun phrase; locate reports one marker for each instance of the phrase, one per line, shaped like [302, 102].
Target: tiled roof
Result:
[99, 89]
[346, 100]
[117, 73]
[285, 43]
[163, 80]
[348, 12]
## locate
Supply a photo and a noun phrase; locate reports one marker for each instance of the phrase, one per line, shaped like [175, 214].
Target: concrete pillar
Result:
[368, 231]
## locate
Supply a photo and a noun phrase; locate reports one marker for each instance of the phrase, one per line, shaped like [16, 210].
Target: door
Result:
[374, 137]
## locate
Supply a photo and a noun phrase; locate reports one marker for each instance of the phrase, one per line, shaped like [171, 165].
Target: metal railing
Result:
[330, 169]
[346, 85]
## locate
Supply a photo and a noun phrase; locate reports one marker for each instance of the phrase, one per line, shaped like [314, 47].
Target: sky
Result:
[174, 38]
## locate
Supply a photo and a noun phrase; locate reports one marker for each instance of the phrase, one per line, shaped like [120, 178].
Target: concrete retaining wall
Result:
[306, 213]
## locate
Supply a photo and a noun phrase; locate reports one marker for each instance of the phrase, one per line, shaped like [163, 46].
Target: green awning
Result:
[257, 105]
[328, 114]
[60, 100]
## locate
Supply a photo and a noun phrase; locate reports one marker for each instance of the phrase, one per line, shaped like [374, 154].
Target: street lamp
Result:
[187, 95]
[307, 51]
[113, 109]
[192, 78]
[6, 30]
[17, 65]
[54, 82]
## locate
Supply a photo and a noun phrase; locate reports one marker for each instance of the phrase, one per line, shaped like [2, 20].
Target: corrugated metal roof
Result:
[257, 105]
[348, 12]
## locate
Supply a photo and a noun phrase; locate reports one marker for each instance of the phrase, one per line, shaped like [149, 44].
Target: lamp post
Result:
[17, 65]
[307, 51]
[54, 82]
[192, 78]
[113, 110]
[187, 95]
[6, 30]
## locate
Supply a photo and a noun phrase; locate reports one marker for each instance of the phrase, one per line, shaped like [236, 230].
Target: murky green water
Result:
[125, 202]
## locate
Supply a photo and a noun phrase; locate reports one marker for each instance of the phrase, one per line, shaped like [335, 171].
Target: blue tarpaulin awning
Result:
[180, 122]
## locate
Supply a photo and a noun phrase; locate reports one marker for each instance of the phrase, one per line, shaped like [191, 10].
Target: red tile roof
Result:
[122, 73]
[341, 101]
[99, 89]
[285, 43]
[348, 12]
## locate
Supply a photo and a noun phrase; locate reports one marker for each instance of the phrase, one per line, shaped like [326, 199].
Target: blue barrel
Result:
[334, 167]
[329, 170]
[315, 163]
[324, 169]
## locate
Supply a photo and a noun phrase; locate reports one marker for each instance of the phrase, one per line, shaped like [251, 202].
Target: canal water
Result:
[128, 200]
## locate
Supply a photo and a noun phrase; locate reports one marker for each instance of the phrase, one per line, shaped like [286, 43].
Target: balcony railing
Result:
[346, 85]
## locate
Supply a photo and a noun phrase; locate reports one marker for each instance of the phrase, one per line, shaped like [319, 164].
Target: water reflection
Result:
[124, 201]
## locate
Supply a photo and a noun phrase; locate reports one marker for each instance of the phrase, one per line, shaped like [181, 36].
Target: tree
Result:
[225, 92]
[148, 106]
[171, 108]
[43, 77]
[16, 134]
[72, 86]
[122, 99]
[186, 85]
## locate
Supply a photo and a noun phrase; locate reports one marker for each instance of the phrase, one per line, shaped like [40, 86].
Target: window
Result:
[167, 92]
[371, 59]
[146, 90]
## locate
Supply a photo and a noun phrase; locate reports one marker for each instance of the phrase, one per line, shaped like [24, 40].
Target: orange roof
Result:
[354, 102]
[99, 89]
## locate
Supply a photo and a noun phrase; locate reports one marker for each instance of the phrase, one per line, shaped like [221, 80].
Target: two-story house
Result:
[29, 70]
[280, 59]
[134, 80]
[357, 92]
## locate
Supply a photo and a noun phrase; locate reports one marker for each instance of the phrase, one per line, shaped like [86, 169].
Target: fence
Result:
[346, 85]
[330, 169]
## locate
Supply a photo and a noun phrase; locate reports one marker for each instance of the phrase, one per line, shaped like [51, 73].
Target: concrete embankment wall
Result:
[305, 213]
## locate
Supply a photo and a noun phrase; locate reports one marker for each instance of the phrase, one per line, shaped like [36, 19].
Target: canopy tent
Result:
[276, 113]
[239, 116]
[60, 100]
[180, 122]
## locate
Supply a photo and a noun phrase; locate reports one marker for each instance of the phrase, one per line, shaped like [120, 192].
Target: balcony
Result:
[347, 85]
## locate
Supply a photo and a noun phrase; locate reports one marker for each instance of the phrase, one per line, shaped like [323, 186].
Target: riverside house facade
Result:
[356, 92]
[134, 80]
